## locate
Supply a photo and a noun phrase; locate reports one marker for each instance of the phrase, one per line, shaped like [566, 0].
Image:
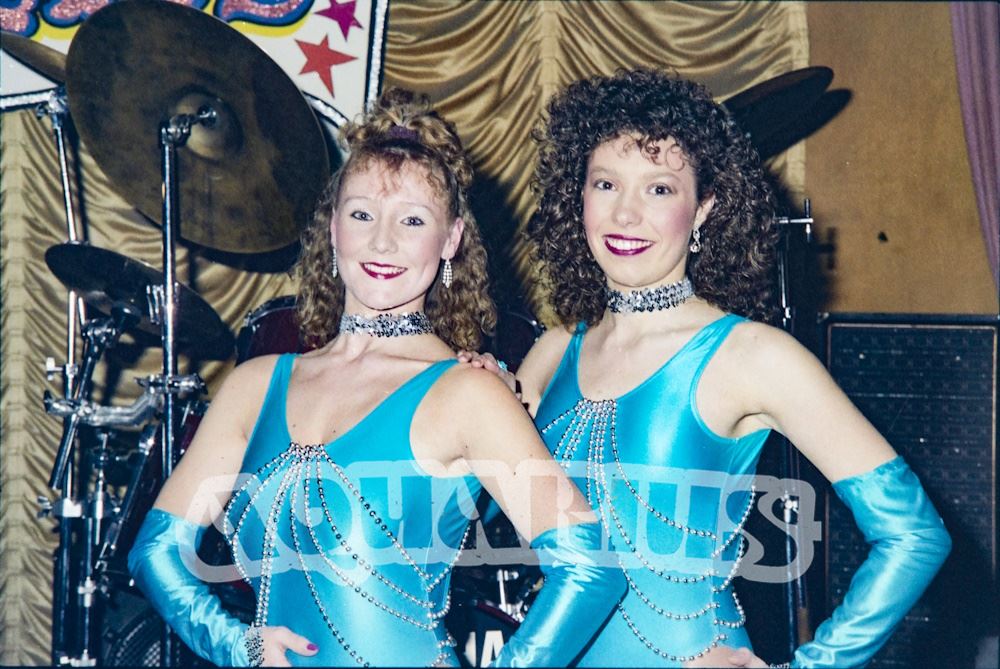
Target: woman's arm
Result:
[787, 389]
[494, 439]
[164, 560]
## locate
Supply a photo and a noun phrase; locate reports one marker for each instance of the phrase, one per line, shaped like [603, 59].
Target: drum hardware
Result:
[254, 158]
[110, 545]
[53, 65]
[104, 278]
[95, 415]
[512, 607]
[796, 593]
[138, 413]
[247, 183]
[99, 334]
[784, 224]
[118, 285]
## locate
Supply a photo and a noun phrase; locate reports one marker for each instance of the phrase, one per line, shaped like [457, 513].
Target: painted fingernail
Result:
[312, 646]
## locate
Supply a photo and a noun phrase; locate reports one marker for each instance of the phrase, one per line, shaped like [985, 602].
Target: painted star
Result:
[343, 14]
[320, 58]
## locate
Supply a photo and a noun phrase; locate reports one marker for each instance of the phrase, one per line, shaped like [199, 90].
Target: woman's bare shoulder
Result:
[762, 346]
[247, 382]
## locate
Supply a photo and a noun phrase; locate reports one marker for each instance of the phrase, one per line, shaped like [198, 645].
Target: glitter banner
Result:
[332, 49]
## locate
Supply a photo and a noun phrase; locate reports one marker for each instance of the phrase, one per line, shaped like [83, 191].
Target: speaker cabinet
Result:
[929, 384]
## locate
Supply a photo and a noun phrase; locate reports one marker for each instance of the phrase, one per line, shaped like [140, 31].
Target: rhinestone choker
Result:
[387, 325]
[650, 299]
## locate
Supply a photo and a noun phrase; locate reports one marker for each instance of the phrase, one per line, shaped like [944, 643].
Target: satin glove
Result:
[908, 545]
[157, 562]
[577, 597]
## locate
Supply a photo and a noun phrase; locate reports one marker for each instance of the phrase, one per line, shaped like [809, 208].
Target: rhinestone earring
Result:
[333, 263]
[446, 274]
[695, 246]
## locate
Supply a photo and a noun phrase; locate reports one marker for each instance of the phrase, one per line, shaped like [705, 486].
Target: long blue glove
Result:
[577, 597]
[181, 598]
[908, 545]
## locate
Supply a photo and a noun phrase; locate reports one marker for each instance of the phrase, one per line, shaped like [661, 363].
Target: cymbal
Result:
[103, 278]
[768, 110]
[247, 184]
[43, 59]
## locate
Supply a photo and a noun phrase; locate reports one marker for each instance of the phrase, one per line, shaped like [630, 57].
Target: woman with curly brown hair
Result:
[656, 239]
[362, 459]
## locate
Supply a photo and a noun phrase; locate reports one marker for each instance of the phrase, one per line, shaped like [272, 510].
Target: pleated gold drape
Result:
[489, 66]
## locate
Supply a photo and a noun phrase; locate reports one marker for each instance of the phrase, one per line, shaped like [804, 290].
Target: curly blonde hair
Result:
[400, 129]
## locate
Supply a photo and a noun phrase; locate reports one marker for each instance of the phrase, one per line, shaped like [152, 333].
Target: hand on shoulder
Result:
[541, 363]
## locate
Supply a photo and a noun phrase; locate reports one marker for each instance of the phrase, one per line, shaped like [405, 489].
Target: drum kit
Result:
[205, 135]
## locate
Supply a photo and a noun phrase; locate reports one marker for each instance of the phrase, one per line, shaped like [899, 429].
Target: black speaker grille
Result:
[930, 389]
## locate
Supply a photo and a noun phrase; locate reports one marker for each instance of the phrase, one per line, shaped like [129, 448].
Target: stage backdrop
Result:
[489, 66]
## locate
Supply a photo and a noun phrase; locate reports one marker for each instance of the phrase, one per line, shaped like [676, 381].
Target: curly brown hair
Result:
[401, 129]
[735, 268]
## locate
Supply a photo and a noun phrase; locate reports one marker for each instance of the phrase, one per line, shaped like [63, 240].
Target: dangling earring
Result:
[695, 246]
[333, 263]
[446, 274]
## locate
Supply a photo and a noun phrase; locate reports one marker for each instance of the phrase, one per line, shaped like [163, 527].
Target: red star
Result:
[343, 14]
[320, 58]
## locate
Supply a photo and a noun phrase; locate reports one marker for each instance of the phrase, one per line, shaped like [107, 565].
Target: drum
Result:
[270, 328]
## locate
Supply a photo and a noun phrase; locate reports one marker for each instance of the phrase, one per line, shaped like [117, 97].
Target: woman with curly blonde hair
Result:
[656, 237]
[361, 460]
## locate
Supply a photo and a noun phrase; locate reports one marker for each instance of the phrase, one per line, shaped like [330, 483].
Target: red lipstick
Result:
[621, 245]
[378, 270]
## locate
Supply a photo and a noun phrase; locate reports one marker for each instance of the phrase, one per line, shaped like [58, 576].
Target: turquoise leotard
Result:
[672, 495]
[363, 538]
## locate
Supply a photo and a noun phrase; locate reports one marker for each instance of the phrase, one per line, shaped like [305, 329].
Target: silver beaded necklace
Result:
[293, 471]
[387, 325]
[600, 419]
[650, 299]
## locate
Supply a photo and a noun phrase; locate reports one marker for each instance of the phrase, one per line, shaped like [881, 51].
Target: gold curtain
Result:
[488, 66]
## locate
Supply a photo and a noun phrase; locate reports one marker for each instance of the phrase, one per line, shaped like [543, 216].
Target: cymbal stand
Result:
[173, 133]
[98, 506]
[54, 106]
[99, 335]
[795, 589]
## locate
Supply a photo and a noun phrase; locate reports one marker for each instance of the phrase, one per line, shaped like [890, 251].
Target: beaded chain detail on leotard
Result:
[601, 418]
[298, 466]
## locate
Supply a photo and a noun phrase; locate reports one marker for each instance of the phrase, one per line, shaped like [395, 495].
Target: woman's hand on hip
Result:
[278, 641]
